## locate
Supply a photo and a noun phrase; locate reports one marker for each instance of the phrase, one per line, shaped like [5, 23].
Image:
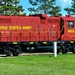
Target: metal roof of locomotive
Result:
[68, 17]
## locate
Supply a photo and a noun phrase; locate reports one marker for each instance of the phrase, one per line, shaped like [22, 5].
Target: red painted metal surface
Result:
[69, 32]
[31, 28]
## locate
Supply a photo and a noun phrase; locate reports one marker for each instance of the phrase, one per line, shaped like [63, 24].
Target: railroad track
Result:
[30, 54]
[27, 54]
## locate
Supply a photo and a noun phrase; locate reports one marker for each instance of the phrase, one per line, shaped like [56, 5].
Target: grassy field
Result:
[38, 65]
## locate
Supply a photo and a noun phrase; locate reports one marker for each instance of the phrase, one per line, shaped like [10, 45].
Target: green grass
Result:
[38, 65]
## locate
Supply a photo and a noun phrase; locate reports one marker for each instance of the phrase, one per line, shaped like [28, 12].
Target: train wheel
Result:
[6, 50]
[74, 51]
[1, 49]
[15, 53]
[58, 51]
[16, 50]
[7, 53]
[64, 51]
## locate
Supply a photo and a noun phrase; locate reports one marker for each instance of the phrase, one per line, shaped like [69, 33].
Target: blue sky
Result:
[61, 3]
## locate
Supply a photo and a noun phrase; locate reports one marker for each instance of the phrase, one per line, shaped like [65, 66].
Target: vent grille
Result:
[2, 20]
[53, 20]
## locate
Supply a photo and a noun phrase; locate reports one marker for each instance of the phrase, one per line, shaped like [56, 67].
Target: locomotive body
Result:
[32, 33]
[15, 31]
[68, 35]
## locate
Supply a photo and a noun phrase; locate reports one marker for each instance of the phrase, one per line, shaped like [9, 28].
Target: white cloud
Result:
[65, 2]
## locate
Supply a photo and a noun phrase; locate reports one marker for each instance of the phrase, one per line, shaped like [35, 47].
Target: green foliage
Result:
[11, 7]
[68, 10]
[38, 65]
[44, 6]
[56, 11]
[71, 10]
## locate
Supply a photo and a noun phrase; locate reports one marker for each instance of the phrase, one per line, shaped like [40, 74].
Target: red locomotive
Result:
[31, 33]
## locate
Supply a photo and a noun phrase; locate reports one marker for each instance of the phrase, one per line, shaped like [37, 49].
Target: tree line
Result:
[12, 7]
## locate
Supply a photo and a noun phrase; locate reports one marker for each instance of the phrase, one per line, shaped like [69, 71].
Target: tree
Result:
[44, 6]
[71, 10]
[56, 11]
[68, 10]
[11, 7]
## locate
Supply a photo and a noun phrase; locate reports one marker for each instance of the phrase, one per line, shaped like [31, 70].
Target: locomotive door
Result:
[54, 30]
[54, 33]
[54, 27]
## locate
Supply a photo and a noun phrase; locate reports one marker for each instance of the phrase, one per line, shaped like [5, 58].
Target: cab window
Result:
[70, 24]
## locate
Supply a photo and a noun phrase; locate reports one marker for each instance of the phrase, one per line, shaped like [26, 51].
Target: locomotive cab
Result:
[68, 35]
